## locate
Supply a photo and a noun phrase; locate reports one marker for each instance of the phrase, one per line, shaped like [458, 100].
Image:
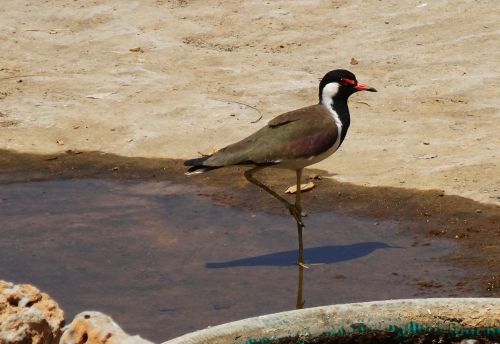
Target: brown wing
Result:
[302, 133]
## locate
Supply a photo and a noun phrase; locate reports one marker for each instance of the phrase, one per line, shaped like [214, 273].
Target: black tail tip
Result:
[196, 162]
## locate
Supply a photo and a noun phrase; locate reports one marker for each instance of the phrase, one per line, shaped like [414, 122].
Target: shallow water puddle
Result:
[163, 260]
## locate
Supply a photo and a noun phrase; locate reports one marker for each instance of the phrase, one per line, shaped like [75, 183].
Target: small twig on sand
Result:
[250, 106]
[17, 76]
[258, 119]
[363, 103]
[46, 30]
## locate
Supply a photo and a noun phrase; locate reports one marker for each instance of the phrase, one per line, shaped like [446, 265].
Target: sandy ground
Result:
[68, 80]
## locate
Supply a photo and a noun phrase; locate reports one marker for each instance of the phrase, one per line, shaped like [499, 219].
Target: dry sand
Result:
[68, 80]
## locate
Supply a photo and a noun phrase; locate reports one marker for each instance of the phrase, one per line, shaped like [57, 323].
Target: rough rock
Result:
[28, 315]
[97, 328]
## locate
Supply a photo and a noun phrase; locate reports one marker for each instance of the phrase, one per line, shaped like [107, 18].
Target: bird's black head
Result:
[340, 84]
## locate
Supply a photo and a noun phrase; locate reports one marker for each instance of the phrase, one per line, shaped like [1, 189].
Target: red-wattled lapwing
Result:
[293, 140]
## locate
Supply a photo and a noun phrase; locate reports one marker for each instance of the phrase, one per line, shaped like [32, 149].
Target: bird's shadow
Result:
[314, 255]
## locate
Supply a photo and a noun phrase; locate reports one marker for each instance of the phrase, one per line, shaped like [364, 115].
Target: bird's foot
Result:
[303, 265]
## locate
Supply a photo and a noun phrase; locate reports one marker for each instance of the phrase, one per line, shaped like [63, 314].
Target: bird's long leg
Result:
[295, 209]
[300, 225]
[297, 193]
[292, 208]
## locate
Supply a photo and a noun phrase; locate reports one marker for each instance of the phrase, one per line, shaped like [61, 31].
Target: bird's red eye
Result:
[346, 82]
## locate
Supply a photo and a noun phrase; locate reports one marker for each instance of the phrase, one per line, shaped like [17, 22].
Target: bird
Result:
[293, 140]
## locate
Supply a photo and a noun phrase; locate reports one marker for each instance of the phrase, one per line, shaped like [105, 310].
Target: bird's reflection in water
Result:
[299, 304]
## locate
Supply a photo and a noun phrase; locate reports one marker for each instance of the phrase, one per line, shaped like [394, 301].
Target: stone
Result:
[28, 315]
[97, 328]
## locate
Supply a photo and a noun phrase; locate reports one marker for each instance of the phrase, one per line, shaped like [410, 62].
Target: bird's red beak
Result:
[362, 87]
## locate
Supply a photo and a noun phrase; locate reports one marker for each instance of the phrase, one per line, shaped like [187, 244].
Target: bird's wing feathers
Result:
[287, 117]
[302, 133]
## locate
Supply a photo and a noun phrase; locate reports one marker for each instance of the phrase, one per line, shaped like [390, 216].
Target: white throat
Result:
[327, 94]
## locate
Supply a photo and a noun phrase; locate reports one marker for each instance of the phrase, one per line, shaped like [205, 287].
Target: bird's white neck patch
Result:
[327, 94]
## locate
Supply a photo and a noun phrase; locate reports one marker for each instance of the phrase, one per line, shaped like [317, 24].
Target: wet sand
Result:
[165, 254]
